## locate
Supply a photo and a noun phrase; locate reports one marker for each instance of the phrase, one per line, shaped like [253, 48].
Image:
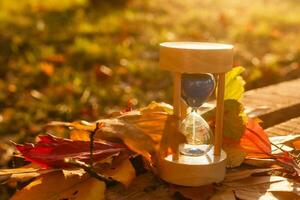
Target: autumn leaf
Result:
[263, 187]
[234, 119]
[234, 84]
[140, 130]
[172, 137]
[290, 140]
[151, 123]
[296, 144]
[51, 151]
[131, 135]
[79, 125]
[56, 186]
[255, 140]
[23, 173]
[244, 173]
[249, 185]
[124, 172]
[194, 193]
[80, 135]
[224, 194]
[254, 143]
[158, 107]
[116, 130]
[235, 153]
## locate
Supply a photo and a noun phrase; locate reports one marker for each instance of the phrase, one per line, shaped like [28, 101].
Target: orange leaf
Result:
[255, 140]
[296, 144]
[79, 135]
[56, 186]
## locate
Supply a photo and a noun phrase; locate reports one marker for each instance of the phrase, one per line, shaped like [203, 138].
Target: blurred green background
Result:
[81, 59]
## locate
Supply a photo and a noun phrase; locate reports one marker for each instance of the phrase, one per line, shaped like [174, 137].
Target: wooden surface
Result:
[278, 105]
[291, 126]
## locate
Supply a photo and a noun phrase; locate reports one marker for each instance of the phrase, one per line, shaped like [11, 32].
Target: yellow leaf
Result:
[23, 173]
[81, 125]
[235, 154]
[132, 136]
[123, 172]
[54, 186]
[79, 135]
[151, 122]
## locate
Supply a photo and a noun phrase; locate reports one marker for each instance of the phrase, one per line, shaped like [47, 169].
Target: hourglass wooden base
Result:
[193, 171]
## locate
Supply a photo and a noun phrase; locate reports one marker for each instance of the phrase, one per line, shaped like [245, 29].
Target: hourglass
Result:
[195, 89]
[197, 68]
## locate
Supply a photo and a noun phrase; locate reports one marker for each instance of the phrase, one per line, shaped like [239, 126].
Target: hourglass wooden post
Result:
[196, 58]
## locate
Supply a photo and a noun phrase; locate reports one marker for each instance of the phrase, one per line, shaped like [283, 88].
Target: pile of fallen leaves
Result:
[101, 154]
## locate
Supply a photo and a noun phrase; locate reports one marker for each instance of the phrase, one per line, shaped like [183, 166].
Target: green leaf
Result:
[234, 84]
[234, 118]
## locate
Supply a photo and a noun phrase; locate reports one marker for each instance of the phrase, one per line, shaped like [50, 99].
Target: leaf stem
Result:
[275, 145]
[92, 135]
[89, 169]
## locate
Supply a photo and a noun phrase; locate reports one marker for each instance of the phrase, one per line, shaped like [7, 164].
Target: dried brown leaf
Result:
[195, 193]
[123, 172]
[226, 194]
[241, 174]
[23, 173]
[265, 184]
[56, 186]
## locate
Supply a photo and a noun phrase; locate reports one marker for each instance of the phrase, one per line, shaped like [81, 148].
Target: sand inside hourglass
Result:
[198, 135]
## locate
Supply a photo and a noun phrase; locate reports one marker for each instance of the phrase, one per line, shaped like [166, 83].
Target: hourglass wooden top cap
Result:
[196, 57]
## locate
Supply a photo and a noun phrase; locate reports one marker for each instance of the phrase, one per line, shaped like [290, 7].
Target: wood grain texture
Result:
[275, 103]
[291, 126]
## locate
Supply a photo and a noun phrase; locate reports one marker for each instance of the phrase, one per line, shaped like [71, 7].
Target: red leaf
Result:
[51, 151]
[284, 158]
[255, 140]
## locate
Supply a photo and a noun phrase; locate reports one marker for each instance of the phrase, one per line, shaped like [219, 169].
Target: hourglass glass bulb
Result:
[198, 134]
[196, 88]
